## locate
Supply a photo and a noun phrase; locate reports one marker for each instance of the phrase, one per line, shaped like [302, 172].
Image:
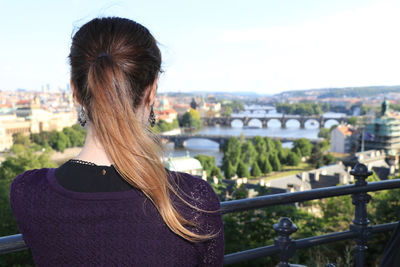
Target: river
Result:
[207, 147]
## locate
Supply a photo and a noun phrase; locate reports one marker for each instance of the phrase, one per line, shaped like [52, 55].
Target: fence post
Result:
[285, 228]
[360, 222]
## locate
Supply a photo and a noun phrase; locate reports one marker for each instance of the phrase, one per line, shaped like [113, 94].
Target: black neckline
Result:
[89, 163]
[85, 176]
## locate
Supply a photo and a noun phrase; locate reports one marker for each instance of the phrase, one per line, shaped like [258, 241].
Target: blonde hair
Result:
[113, 62]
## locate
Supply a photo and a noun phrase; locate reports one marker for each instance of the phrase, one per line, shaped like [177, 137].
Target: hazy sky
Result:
[265, 46]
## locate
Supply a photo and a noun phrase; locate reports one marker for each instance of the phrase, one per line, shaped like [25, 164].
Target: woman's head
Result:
[114, 60]
[114, 67]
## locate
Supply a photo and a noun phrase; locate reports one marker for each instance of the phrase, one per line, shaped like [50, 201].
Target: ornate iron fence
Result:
[284, 245]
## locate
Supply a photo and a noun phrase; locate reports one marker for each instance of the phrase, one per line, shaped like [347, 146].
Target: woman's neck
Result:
[93, 150]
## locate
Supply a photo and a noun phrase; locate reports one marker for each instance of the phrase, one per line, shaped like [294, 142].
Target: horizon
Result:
[259, 47]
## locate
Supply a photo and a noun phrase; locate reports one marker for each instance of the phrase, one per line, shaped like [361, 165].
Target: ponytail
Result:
[128, 142]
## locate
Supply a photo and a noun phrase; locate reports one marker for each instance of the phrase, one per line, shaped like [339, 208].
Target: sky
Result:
[264, 46]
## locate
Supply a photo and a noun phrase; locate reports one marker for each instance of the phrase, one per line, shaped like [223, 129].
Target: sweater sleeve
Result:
[214, 248]
[201, 194]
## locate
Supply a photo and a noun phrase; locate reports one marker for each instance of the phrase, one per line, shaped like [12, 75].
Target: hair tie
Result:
[103, 55]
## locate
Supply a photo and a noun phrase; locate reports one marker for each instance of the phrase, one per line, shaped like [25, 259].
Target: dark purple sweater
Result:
[68, 228]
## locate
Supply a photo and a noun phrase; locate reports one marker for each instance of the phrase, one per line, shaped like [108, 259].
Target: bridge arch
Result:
[255, 122]
[274, 123]
[312, 124]
[236, 123]
[293, 123]
[330, 122]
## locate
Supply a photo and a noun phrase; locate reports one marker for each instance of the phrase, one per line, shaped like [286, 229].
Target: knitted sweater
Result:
[68, 228]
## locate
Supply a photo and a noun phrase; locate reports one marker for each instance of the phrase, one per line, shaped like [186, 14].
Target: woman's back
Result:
[64, 227]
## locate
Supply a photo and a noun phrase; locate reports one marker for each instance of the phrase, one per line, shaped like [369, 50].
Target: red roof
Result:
[345, 130]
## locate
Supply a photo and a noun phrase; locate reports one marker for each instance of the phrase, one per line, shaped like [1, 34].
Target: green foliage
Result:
[264, 164]
[303, 145]
[227, 111]
[21, 139]
[232, 151]
[353, 120]
[328, 159]
[324, 145]
[305, 109]
[229, 170]
[249, 153]
[163, 126]
[270, 144]
[260, 144]
[255, 170]
[325, 133]
[231, 106]
[278, 144]
[242, 170]
[69, 137]
[190, 119]
[208, 164]
[292, 159]
[216, 172]
[275, 163]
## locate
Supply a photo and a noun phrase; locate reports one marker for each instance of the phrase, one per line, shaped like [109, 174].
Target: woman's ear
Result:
[151, 93]
[74, 93]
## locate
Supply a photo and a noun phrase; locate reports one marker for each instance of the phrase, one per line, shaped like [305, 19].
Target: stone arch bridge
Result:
[181, 139]
[226, 121]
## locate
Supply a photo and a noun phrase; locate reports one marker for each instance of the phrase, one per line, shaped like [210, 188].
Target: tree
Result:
[216, 172]
[227, 111]
[353, 120]
[292, 159]
[208, 163]
[278, 144]
[229, 171]
[255, 170]
[269, 144]
[275, 163]
[191, 119]
[328, 159]
[232, 151]
[324, 133]
[267, 166]
[260, 144]
[249, 153]
[76, 137]
[303, 145]
[242, 170]
[21, 139]
[316, 158]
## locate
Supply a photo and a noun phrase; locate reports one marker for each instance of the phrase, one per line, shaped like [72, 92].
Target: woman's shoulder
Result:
[27, 181]
[195, 190]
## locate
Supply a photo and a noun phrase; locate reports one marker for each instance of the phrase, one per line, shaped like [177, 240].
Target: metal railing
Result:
[284, 245]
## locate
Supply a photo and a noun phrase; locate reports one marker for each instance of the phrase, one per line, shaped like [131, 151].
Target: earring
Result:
[152, 117]
[82, 119]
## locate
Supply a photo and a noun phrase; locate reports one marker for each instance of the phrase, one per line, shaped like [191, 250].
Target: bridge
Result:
[181, 139]
[283, 119]
[256, 108]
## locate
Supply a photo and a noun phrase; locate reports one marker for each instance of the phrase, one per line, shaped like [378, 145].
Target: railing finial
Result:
[360, 222]
[285, 228]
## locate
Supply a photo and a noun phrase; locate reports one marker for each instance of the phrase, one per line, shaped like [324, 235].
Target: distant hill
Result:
[366, 91]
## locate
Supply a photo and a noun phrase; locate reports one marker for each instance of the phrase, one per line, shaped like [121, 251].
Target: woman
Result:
[115, 204]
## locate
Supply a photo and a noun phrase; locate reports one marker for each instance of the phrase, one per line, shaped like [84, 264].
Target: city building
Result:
[383, 132]
[10, 124]
[185, 164]
[344, 139]
[168, 115]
